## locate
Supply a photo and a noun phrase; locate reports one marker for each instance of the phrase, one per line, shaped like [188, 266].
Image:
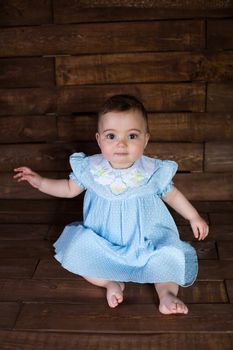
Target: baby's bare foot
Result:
[114, 293]
[170, 304]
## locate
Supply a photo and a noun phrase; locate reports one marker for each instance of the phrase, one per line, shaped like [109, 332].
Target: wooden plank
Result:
[10, 340]
[55, 157]
[17, 268]
[25, 12]
[27, 72]
[189, 156]
[19, 129]
[80, 291]
[219, 34]
[217, 233]
[220, 97]
[22, 249]
[229, 286]
[95, 11]
[23, 232]
[214, 206]
[222, 232]
[103, 37]
[8, 314]
[196, 127]
[225, 249]
[211, 126]
[224, 218]
[218, 156]
[146, 67]
[134, 318]
[40, 157]
[156, 97]
[12, 189]
[205, 250]
[30, 212]
[27, 101]
[215, 270]
[50, 269]
[204, 292]
[195, 186]
[203, 186]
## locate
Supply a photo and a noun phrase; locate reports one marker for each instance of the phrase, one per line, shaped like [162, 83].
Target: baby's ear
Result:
[97, 136]
[147, 139]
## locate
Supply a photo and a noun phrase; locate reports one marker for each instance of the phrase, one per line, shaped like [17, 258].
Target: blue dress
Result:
[127, 233]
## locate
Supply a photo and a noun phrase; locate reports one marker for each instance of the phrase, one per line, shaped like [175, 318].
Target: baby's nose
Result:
[122, 143]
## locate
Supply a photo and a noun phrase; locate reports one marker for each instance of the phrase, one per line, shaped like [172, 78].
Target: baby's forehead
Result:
[131, 115]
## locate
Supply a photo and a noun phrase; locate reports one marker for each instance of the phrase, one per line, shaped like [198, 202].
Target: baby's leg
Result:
[169, 303]
[114, 292]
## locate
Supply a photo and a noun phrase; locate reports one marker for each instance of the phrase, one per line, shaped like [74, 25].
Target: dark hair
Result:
[121, 103]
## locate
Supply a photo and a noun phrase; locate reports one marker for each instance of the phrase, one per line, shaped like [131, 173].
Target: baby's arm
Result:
[179, 202]
[59, 188]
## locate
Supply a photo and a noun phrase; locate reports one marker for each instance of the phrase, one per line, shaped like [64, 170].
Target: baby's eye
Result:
[133, 136]
[110, 136]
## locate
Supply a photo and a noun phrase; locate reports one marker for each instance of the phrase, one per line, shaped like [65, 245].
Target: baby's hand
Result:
[199, 227]
[26, 174]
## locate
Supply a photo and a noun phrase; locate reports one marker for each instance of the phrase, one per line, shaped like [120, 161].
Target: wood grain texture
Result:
[17, 268]
[215, 269]
[102, 37]
[133, 319]
[55, 157]
[23, 232]
[33, 211]
[18, 249]
[219, 34]
[206, 185]
[26, 72]
[229, 286]
[218, 157]
[156, 97]
[25, 12]
[144, 67]
[196, 186]
[8, 314]
[73, 341]
[20, 129]
[189, 127]
[80, 291]
[225, 250]
[221, 218]
[173, 127]
[220, 97]
[95, 11]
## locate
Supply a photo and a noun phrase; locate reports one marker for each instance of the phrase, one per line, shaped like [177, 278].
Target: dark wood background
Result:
[60, 59]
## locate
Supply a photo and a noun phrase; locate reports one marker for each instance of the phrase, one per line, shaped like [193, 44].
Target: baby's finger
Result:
[204, 232]
[23, 169]
[16, 176]
[195, 231]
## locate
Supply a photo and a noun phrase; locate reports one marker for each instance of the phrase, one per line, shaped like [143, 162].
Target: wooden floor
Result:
[42, 306]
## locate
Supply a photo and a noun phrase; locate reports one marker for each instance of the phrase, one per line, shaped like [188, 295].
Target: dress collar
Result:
[120, 180]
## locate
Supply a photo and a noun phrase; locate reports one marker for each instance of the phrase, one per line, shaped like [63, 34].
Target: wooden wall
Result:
[60, 59]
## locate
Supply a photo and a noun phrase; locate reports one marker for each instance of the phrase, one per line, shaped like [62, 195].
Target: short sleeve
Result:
[164, 175]
[78, 162]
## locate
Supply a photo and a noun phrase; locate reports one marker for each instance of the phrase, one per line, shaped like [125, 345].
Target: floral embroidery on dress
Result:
[119, 180]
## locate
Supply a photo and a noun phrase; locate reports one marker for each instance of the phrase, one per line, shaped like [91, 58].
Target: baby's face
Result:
[122, 137]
